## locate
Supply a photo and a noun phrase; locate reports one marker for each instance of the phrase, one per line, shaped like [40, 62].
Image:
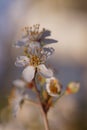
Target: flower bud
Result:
[73, 87]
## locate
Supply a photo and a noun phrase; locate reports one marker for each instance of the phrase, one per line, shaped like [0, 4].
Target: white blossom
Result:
[36, 60]
[19, 83]
[53, 87]
[32, 35]
[18, 94]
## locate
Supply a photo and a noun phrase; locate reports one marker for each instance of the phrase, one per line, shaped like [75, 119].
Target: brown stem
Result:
[41, 106]
[45, 120]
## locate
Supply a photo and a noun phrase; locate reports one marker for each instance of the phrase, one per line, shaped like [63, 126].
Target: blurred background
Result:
[67, 19]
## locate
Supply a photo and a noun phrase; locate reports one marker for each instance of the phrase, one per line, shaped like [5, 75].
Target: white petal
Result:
[21, 42]
[22, 61]
[28, 73]
[45, 33]
[18, 44]
[49, 41]
[45, 71]
[48, 51]
[19, 83]
[33, 46]
[25, 39]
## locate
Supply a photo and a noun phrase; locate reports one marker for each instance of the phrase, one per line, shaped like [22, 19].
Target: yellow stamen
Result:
[53, 86]
[34, 61]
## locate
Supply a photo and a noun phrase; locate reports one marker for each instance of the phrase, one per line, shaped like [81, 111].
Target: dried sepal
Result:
[45, 95]
[41, 80]
[30, 85]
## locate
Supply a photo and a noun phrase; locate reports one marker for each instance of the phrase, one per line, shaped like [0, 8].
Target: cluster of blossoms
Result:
[36, 75]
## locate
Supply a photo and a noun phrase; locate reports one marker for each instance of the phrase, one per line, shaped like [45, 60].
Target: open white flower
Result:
[17, 96]
[15, 102]
[53, 87]
[15, 99]
[33, 36]
[35, 61]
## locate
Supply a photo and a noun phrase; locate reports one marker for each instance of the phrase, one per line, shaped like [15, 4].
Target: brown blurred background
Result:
[67, 19]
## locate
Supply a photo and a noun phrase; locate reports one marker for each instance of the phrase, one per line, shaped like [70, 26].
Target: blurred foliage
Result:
[3, 101]
[5, 115]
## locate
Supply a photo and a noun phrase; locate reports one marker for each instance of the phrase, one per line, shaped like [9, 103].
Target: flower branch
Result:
[44, 114]
[36, 76]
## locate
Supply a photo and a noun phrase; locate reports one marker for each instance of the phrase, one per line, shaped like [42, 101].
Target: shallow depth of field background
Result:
[67, 19]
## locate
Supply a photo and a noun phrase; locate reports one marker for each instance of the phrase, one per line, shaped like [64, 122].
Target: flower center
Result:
[53, 87]
[35, 61]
